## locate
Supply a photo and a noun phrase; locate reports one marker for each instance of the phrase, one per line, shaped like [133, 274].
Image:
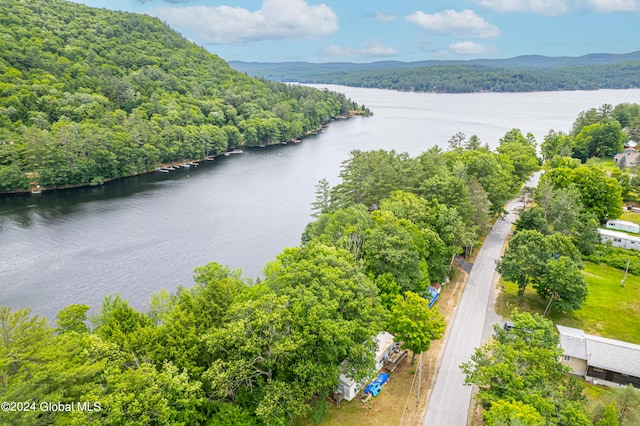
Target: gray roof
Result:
[572, 341]
[600, 352]
[630, 155]
[613, 355]
[618, 234]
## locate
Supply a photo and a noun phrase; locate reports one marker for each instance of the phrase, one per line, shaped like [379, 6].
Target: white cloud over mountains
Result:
[470, 48]
[450, 22]
[276, 19]
[372, 48]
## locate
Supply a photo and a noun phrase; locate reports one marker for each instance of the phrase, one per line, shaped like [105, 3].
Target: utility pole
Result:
[419, 379]
[625, 272]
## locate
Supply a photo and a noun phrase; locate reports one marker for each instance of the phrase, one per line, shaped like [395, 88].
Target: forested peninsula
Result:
[520, 74]
[88, 95]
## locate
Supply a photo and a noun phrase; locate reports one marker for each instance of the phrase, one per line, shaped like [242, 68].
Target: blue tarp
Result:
[434, 295]
[375, 387]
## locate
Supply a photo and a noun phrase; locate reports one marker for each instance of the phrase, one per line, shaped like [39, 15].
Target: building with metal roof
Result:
[599, 359]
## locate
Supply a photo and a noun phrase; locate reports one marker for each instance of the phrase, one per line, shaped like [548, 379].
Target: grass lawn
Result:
[610, 310]
[630, 217]
[382, 410]
[607, 164]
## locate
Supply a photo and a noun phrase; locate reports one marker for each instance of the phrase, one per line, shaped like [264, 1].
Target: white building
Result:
[619, 239]
[623, 225]
[348, 387]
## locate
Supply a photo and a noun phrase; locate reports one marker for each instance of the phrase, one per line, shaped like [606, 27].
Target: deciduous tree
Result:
[523, 366]
[414, 324]
[525, 259]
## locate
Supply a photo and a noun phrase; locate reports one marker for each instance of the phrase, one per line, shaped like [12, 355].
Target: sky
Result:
[402, 30]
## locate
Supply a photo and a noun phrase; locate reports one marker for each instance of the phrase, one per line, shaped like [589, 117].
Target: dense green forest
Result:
[597, 132]
[91, 94]
[522, 74]
[232, 351]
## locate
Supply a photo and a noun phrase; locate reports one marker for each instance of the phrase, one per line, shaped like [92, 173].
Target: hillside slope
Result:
[90, 94]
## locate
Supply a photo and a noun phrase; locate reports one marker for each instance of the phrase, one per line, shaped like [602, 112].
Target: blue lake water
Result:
[138, 235]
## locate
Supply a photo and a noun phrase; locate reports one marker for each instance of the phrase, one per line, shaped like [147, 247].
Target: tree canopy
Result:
[88, 95]
[520, 376]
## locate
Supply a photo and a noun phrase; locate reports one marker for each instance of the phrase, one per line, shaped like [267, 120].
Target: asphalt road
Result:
[450, 400]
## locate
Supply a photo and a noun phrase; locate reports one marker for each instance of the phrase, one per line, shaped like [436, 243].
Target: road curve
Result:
[450, 399]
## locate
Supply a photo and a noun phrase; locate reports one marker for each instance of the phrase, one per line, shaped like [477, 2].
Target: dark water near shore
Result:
[138, 235]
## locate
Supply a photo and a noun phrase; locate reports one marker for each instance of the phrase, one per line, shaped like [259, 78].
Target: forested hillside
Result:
[91, 94]
[522, 74]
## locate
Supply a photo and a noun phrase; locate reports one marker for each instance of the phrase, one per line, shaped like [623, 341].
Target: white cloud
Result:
[166, 1]
[372, 48]
[450, 22]
[277, 19]
[606, 6]
[541, 7]
[560, 7]
[382, 17]
[470, 48]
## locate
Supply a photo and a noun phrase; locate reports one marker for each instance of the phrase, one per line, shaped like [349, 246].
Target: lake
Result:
[138, 235]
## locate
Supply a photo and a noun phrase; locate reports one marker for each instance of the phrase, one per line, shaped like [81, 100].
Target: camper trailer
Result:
[623, 225]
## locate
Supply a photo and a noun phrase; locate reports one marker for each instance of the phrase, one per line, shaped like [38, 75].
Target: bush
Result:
[616, 257]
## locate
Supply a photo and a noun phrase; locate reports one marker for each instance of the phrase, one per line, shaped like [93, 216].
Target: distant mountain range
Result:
[521, 73]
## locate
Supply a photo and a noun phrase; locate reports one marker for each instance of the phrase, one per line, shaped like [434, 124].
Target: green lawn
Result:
[607, 164]
[630, 217]
[610, 310]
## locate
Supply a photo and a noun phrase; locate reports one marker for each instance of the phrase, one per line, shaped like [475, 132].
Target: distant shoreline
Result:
[230, 150]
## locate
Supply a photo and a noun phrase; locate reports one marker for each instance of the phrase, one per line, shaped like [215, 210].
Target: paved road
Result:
[450, 400]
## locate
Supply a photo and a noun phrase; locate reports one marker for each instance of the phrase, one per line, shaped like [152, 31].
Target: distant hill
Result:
[522, 73]
[88, 95]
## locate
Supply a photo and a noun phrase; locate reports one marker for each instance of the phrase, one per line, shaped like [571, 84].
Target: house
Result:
[623, 225]
[599, 359]
[627, 158]
[619, 239]
[349, 388]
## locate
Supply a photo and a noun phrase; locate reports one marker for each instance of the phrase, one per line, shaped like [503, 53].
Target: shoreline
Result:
[177, 164]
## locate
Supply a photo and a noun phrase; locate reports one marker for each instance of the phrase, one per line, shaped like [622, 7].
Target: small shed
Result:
[349, 388]
[386, 345]
[623, 225]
